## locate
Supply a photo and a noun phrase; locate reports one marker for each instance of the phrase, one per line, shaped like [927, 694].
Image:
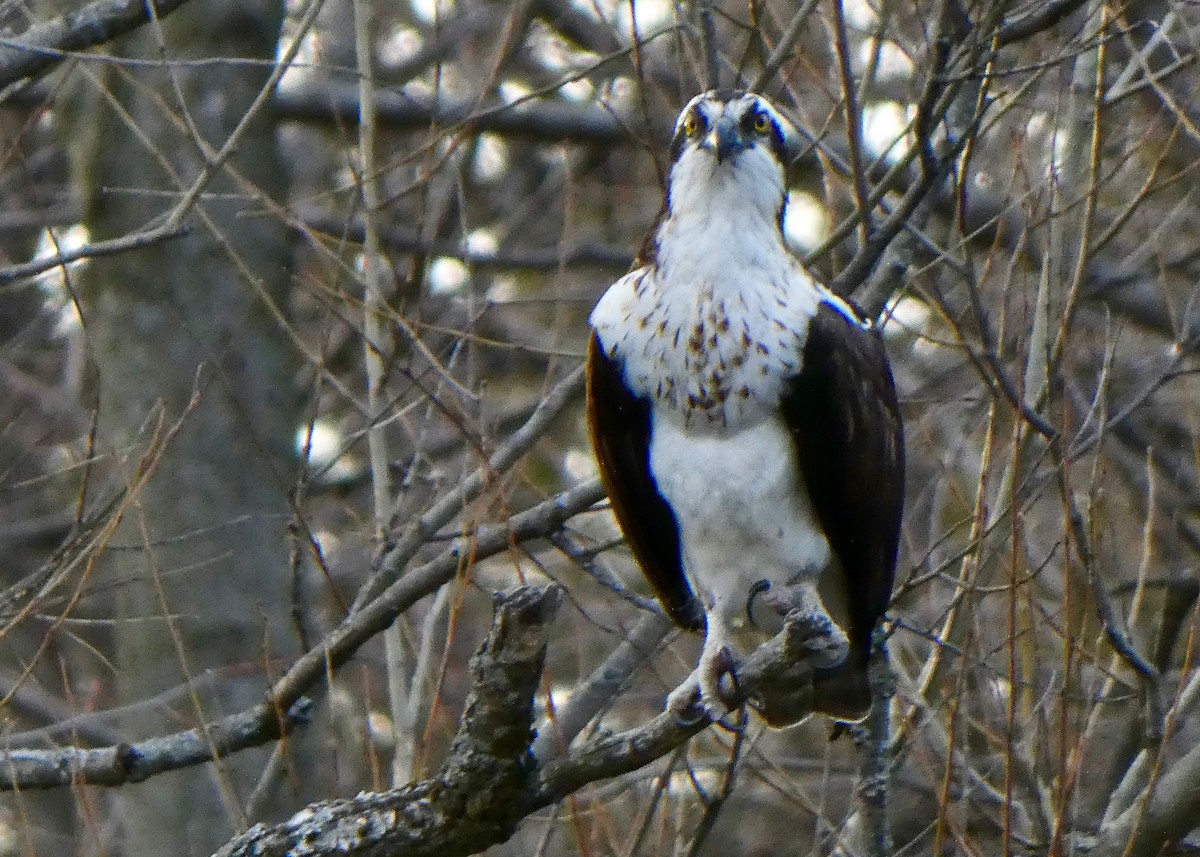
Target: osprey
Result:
[744, 417]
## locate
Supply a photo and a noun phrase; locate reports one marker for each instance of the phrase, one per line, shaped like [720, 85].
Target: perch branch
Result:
[489, 781]
[45, 45]
[465, 806]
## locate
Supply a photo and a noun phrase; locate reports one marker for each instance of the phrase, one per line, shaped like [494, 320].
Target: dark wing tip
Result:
[844, 692]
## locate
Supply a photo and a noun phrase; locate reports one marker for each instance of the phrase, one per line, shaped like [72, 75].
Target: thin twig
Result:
[443, 511]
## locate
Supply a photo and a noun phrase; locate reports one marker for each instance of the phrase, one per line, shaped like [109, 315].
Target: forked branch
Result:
[490, 781]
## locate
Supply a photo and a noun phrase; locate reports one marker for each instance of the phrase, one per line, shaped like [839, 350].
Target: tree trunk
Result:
[202, 576]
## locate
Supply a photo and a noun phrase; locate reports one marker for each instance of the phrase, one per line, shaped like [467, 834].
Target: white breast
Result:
[742, 508]
[720, 452]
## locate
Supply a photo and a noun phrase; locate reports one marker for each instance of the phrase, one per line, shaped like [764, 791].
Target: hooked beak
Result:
[724, 139]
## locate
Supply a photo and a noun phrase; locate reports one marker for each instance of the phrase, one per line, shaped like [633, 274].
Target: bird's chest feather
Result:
[715, 355]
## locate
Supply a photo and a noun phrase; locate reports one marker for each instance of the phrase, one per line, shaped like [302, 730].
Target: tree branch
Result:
[45, 45]
[467, 805]
[411, 111]
[487, 785]
[1035, 18]
[401, 240]
[1166, 810]
[782, 662]
[639, 645]
[283, 707]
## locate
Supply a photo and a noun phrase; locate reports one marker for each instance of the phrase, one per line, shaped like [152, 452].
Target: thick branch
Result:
[488, 783]
[1166, 811]
[1035, 18]
[466, 806]
[412, 111]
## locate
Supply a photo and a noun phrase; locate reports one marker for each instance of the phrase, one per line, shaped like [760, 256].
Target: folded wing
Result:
[844, 418]
[620, 425]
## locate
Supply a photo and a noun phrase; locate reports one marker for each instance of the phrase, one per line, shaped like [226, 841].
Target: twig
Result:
[285, 703]
[715, 803]
[444, 510]
[783, 50]
[868, 830]
[401, 240]
[377, 356]
[853, 118]
[151, 235]
[708, 44]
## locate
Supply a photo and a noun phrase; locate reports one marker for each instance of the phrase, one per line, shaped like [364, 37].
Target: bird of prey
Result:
[743, 416]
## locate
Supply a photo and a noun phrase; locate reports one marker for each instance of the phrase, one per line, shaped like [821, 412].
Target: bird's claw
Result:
[705, 682]
[809, 626]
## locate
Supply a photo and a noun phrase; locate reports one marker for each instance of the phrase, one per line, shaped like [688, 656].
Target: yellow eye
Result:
[691, 124]
[762, 122]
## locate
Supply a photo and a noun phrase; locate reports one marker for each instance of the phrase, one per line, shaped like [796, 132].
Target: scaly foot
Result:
[715, 663]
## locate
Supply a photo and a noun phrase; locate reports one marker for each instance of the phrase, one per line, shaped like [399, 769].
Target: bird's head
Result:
[733, 145]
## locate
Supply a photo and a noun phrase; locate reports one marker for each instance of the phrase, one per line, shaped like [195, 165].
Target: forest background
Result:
[292, 310]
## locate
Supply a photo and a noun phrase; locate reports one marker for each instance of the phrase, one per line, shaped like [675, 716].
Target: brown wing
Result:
[620, 425]
[845, 420]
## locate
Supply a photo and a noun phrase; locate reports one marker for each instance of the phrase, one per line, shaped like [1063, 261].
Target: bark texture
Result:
[467, 805]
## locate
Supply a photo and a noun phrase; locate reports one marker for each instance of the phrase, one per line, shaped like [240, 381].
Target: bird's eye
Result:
[691, 124]
[762, 122]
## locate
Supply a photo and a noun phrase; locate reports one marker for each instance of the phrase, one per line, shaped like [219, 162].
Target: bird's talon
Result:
[756, 589]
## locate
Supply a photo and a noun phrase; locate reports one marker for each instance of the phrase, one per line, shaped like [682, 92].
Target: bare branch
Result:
[1034, 18]
[601, 687]
[45, 45]
[486, 785]
[284, 708]
[1165, 811]
[783, 660]
[509, 258]
[440, 513]
[467, 805]
[411, 111]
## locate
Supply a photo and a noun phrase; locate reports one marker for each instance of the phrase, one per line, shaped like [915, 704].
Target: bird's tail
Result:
[843, 692]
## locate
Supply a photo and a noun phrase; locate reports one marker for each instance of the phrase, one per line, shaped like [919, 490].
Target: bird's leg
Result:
[716, 660]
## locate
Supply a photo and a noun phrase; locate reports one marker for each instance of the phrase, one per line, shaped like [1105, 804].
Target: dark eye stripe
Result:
[774, 134]
[752, 107]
